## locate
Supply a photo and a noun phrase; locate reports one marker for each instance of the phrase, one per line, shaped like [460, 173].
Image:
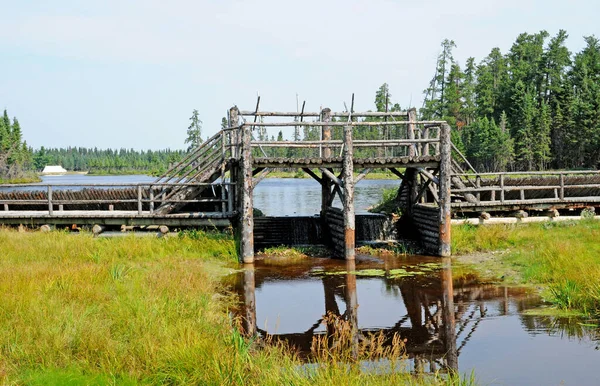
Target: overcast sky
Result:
[128, 73]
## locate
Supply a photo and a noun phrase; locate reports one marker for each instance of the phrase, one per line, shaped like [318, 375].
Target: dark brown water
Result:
[449, 317]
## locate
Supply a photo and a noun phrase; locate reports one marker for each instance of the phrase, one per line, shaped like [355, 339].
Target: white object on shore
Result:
[54, 170]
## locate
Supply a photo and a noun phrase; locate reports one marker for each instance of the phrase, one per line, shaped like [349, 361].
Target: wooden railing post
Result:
[444, 192]
[234, 134]
[562, 186]
[502, 188]
[151, 199]
[326, 133]
[139, 199]
[50, 205]
[411, 128]
[348, 182]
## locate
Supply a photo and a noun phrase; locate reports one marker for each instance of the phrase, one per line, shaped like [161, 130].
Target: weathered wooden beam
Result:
[348, 187]
[412, 117]
[362, 175]
[424, 172]
[313, 175]
[445, 191]
[326, 132]
[263, 174]
[343, 124]
[257, 170]
[331, 176]
[396, 173]
[317, 114]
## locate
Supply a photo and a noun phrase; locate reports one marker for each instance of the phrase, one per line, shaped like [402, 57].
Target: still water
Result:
[273, 196]
[492, 334]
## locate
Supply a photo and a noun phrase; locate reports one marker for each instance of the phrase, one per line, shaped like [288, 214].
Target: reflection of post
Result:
[249, 301]
[448, 315]
[352, 304]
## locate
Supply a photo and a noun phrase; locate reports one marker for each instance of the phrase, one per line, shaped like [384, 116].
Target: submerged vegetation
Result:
[79, 310]
[563, 258]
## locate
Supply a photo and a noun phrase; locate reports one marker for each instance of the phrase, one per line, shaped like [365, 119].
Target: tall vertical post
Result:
[50, 205]
[326, 132]
[245, 237]
[249, 321]
[412, 127]
[444, 193]
[348, 181]
[448, 316]
[233, 134]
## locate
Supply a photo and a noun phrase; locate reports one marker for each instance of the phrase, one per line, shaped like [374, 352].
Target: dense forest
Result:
[107, 161]
[15, 155]
[535, 107]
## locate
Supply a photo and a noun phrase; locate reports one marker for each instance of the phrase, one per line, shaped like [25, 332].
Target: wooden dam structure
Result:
[213, 185]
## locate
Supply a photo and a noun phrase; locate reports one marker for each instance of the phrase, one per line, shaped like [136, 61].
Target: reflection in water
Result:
[428, 328]
[440, 318]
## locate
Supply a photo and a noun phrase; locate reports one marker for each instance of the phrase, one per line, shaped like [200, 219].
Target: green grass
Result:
[564, 258]
[80, 310]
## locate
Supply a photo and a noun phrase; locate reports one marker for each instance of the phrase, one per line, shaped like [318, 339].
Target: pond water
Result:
[482, 327]
[273, 196]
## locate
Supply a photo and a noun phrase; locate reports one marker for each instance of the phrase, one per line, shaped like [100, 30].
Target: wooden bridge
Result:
[213, 185]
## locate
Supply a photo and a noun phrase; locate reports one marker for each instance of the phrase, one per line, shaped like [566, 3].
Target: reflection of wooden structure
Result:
[429, 326]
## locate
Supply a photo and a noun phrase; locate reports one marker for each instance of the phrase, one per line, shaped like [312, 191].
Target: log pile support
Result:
[444, 193]
[245, 228]
[348, 182]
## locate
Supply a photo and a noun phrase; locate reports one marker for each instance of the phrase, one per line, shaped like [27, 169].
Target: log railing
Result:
[522, 188]
[144, 197]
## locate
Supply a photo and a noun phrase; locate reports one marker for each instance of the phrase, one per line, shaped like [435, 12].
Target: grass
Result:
[563, 258]
[80, 310]
[27, 179]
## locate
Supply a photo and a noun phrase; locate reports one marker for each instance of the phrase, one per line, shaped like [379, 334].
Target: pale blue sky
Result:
[127, 73]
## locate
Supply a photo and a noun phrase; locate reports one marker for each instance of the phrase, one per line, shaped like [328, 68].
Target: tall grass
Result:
[79, 310]
[564, 257]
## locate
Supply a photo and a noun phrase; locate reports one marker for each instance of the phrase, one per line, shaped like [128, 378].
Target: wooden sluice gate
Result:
[418, 152]
[213, 185]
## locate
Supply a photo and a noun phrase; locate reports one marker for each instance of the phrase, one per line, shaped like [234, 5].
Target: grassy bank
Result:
[79, 310]
[563, 258]
[28, 179]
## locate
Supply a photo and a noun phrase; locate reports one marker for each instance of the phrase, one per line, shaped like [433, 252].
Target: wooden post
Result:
[50, 206]
[562, 186]
[233, 122]
[448, 317]
[139, 199]
[6, 207]
[61, 207]
[246, 221]
[348, 179]
[230, 189]
[326, 132]
[151, 199]
[426, 145]
[444, 193]
[249, 321]
[478, 185]
[325, 193]
[411, 128]
[502, 188]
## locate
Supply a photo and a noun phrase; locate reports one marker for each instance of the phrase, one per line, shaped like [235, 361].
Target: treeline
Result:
[535, 107]
[15, 155]
[106, 161]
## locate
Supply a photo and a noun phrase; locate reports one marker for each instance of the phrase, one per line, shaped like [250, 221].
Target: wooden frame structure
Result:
[418, 152]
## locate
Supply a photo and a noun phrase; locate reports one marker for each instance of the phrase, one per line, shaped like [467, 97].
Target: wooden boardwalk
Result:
[212, 185]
